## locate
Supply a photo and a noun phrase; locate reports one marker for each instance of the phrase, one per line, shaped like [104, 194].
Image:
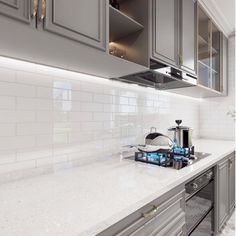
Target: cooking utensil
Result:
[181, 135]
[154, 142]
[157, 139]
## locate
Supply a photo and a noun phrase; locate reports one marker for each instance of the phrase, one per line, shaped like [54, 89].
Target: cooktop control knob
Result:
[195, 186]
[209, 175]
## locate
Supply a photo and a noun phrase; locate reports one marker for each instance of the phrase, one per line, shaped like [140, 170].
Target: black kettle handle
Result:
[178, 122]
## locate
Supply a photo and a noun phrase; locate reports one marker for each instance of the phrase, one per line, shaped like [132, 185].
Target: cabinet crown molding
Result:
[220, 19]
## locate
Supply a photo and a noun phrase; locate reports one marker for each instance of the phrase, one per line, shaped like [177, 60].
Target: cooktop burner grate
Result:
[176, 158]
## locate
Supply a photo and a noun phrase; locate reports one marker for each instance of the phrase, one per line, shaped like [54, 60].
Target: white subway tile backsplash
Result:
[7, 75]
[93, 107]
[35, 128]
[60, 139]
[120, 100]
[16, 142]
[51, 117]
[34, 79]
[24, 116]
[80, 116]
[44, 140]
[8, 156]
[101, 98]
[25, 103]
[43, 92]
[15, 89]
[45, 104]
[81, 96]
[33, 154]
[7, 130]
[91, 126]
[102, 116]
[7, 103]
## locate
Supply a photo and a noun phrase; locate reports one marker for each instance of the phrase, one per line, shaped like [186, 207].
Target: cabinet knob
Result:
[150, 213]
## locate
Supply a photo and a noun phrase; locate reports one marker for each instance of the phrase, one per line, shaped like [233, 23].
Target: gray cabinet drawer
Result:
[172, 226]
[156, 218]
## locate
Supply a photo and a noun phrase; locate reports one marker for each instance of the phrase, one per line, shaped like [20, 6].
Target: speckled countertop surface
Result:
[87, 199]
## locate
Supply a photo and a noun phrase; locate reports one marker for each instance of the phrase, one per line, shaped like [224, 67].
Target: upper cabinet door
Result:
[17, 9]
[188, 42]
[80, 20]
[165, 31]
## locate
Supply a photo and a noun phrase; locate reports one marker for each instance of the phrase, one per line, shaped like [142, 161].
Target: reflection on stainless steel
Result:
[199, 155]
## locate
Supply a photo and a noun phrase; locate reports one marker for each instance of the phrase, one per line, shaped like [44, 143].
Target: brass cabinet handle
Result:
[35, 8]
[150, 213]
[43, 10]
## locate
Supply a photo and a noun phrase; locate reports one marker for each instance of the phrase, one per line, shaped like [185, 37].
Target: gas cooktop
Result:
[176, 158]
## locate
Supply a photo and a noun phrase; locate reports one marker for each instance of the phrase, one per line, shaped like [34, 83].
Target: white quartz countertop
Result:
[86, 200]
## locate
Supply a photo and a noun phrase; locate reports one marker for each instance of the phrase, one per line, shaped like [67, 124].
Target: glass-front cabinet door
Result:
[209, 52]
[215, 55]
[204, 53]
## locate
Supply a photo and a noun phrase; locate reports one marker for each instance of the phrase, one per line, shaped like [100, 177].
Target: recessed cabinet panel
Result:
[223, 192]
[232, 183]
[188, 55]
[80, 20]
[165, 28]
[17, 9]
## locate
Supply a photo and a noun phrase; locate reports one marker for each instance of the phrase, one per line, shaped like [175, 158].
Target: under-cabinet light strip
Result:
[21, 65]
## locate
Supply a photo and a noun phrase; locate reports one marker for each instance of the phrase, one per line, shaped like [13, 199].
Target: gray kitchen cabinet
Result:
[83, 20]
[165, 31]
[17, 9]
[212, 54]
[71, 35]
[174, 37]
[188, 42]
[225, 190]
[231, 183]
[164, 216]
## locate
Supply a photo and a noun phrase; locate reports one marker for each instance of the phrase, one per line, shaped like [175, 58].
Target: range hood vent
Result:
[162, 77]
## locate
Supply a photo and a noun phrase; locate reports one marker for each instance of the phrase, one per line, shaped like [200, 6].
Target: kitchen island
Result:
[90, 198]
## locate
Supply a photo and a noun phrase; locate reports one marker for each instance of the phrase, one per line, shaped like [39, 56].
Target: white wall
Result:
[214, 121]
[54, 118]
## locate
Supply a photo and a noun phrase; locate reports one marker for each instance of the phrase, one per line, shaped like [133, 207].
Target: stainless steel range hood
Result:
[161, 76]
